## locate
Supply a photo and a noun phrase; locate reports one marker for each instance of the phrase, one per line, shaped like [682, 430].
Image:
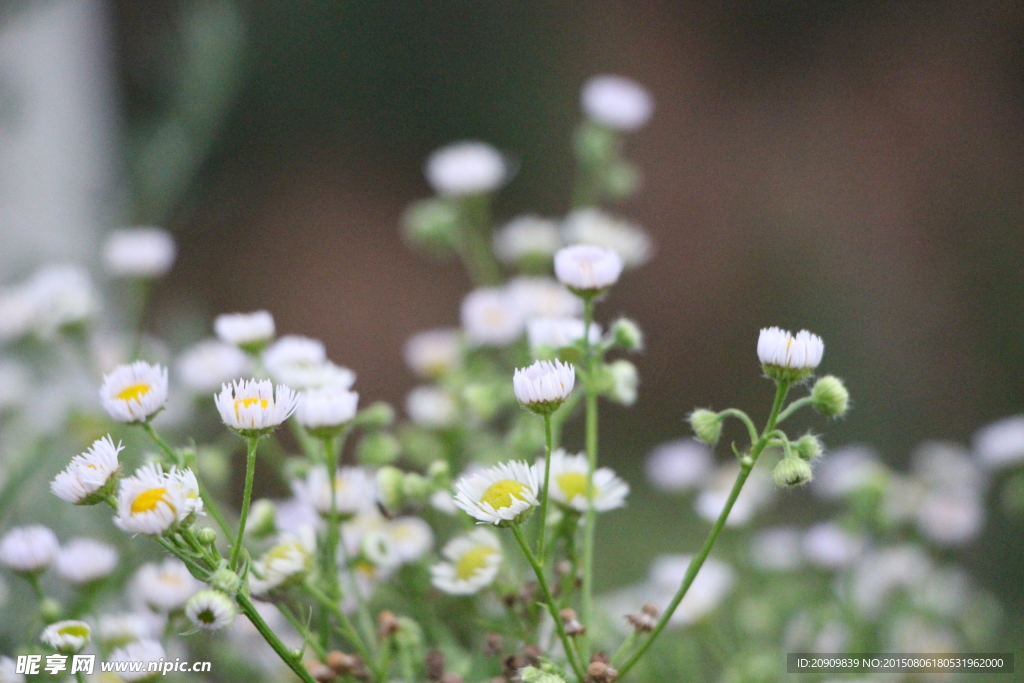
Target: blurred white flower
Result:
[84, 560]
[293, 555]
[431, 407]
[61, 296]
[326, 409]
[86, 478]
[253, 408]
[491, 316]
[587, 268]
[163, 587]
[617, 102]
[555, 333]
[204, 367]
[569, 483]
[709, 588]
[410, 537]
[119, 629]
[951, 517]
[465, 168]
[146, 252]
[29, 549]
[756, 494]
[135, 392]
[210, 610]
[67, 637]
[625, 380]
[152, 501]
[9, 671]
[679, 465]
[947, 466]
[433, 353]
[472, 563]
[501, 494]
[543, 297]
[777, 548]
[1000, 443]
[354, 490]
[144, 651]
[877, 574]
[443, 501]
[250, 331]
[848, 469]
[828, 545]
[601, 229]
[526, 237]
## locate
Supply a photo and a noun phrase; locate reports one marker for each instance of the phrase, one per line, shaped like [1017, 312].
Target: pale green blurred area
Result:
[852, 168]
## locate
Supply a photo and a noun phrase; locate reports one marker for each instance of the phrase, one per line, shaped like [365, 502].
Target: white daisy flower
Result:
[431, 407]
[544, 386]
[301, 363]
[527, 237]
[91, 476]
[616, 102]
[293, 555]
[210, 610]
[29, 549]
[203, 368]
[679, 465]
[569, 483]
[587, 268]
[466, 168]
[433, 353]
[410, 537]
[61, 296]
[354, 490]
[145, 651]
[473, 562]
[250, 331]
[163, 587]
[951, 517]
[325, 411]
[84, 560]
[119, 629]
[152, 501]
[492, 317]
[544, 297]
[1000, 443]
[139, 252]
[502, 495]
[556, 333]
[828, 545]
[135, 392]
[252, 408]
[67, 637]
[788, 357]
[601, 229]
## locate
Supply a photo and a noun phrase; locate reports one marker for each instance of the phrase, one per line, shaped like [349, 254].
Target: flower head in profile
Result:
[569, 484]
[135, 392]
[786, 357]
[248, 331]
[67, 637]
[472, 563]
[152, 501]
[491, 316]
[291, 557]
[587, 269]
[84, 560]
[502, 495]
[466, 168]
[163, 587]
[527, 239]
[29, 549]
[210, 610]
[252, 407]
[544, 386]
[91, 476]
[617, 102]
[145, 252]
[326, 411]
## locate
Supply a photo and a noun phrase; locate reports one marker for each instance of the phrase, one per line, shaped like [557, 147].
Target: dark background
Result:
[853, 168]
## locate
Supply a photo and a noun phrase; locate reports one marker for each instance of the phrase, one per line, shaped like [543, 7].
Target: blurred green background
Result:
[851, 167]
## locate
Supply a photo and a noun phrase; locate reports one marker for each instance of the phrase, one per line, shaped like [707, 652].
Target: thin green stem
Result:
[547, 487]
[624, 648]
[250, 473]
[746, 465]
[744, 418]
[268, 634]
[793, 407]
[210, 505]
[474, 242]
[570, 651]
[302, 629]
[163, 445]
[590, 522]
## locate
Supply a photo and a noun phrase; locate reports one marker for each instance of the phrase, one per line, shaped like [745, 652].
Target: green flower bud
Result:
[439, 473]
[707, 425]
[416, 486]
[830, 397]
[207, 536]
[377, 415]
[378, 448]
[262, 519]
[627, 335]
[50, 610]
[389, 485]
[433, 225]
[595, 144]
[808, 447]
[532, 674]
[226, 581]
[792, 471]
[625, 380]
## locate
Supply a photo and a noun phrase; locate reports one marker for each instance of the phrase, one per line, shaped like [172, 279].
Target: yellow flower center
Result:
[246, 402]
[572, 484]
[75, 630]
[472, 562]
[500, 494]
[134, 393]
[149, 499]
[283, 551]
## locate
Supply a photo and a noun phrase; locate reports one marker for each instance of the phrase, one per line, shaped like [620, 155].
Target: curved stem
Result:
[570, 652]
[745, 419]
[793, 407]
[746, 466]
[250, 472]
[268, 635]
[302, 630]
[547, 487]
